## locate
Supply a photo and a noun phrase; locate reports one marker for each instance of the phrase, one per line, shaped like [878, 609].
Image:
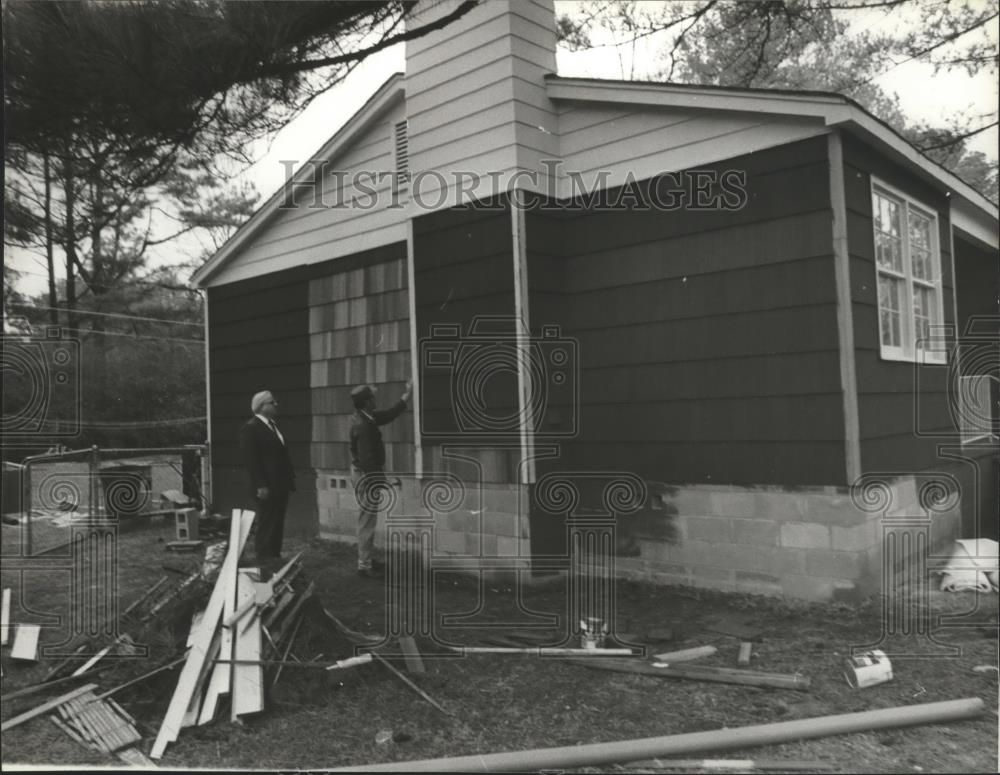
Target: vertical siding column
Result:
[523, 323]
[206, 489]
[411, 295]
[845, 319]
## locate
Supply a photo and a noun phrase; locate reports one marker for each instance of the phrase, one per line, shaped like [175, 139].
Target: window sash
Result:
[907, 260]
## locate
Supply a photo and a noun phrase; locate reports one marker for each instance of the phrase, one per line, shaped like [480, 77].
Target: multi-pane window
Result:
[908, 262]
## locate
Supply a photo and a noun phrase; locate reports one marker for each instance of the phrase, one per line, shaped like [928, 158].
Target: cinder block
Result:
[690, 501]
[707, 529]
[474, 543]
[805, 535]
[735, 556]
[738, 503]
[756, 577]
[759, 532]
[500, 524]
[449, 542]
[856, 538]
[508, 547]
[780, 560]
[667, 568]
[655, 551]
[461, 521]
[489, 546]
[813, 588]
[833, 510]
[499, 498]
[780, 506]
[839, 565]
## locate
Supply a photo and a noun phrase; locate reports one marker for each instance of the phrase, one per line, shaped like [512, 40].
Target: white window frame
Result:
[907, 351]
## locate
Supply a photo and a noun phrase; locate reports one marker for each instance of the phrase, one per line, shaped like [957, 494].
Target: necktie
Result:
[274, 427]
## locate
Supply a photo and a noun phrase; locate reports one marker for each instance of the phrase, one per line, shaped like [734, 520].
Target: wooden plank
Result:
[98, 656]
[45, 707]
[685, 655]
[698, 673]
[136, 758]
[195, 622]
[191, 715]
[221, 680]
[248, 680]
[409, 683]
[26, 642]
[142, 677]
[145, 596]
[411, 654]
[192, 669]
[5, 621]
[71, 732]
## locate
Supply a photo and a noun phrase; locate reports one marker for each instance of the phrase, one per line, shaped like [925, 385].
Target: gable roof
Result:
[973, 212]
[384, 97]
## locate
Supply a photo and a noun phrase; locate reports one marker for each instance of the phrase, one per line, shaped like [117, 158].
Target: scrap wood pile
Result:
[222, 636]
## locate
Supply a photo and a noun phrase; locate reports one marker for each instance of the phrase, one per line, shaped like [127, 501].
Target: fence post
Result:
[26, 507]
[92, 485]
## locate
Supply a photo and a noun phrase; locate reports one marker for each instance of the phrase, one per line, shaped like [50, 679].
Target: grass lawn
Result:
[316, 719]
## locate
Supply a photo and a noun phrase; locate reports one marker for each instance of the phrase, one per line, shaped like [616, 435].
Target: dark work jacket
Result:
[265, 457]
[367, 448]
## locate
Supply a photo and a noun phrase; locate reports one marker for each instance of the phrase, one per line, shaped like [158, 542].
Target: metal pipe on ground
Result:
[596, 754]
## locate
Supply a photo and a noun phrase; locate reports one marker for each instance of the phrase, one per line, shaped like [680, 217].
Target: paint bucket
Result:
[592, 633]
[868, 669]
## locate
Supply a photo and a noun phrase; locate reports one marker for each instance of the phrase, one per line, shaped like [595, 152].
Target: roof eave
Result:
[834, 109]
[383, 98]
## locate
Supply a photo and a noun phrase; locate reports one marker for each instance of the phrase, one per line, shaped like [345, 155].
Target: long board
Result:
[192, 669]
[222, 674]
[248, 680]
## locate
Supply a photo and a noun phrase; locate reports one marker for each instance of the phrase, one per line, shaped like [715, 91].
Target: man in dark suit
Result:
[272, 478]
[368, 464]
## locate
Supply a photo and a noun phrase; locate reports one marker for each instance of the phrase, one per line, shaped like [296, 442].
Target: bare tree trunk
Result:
[69, 246]
[49, 246]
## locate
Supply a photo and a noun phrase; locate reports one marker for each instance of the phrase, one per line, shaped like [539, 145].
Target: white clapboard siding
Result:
[642, 144]
[476, 98]
[305, 235]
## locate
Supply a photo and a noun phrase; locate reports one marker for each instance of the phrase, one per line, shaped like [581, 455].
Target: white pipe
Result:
[596, 754]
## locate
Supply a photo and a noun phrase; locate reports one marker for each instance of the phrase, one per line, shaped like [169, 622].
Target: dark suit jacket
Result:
[265, 457]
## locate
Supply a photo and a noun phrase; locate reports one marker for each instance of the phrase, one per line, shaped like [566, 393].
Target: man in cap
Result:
[272, 478]
[368, 466]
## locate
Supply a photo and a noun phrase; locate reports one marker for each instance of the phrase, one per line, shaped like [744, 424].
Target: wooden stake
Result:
[5, 620]
[142, 677]
[409, 683]
[699, 673]
[746, 648]
[145, 596]
[411, 654]
[35, 688]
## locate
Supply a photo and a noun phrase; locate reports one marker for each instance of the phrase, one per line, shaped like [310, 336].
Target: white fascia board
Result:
[384, 98]
[974, 212]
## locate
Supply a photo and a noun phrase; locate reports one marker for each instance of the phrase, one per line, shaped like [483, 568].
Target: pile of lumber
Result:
[100, 724]
[247, 624]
